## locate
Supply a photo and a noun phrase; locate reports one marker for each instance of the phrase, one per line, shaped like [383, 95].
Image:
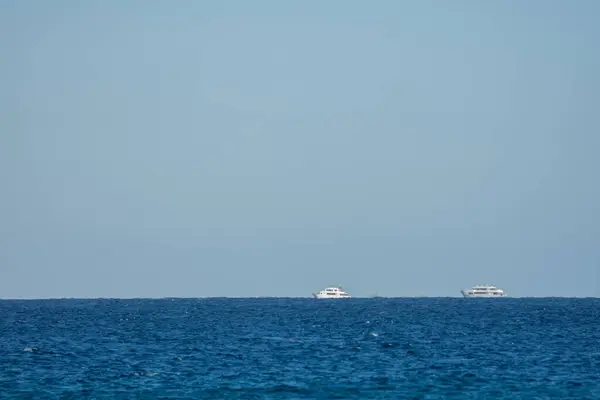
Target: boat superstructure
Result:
[332, 292]
[488, 291]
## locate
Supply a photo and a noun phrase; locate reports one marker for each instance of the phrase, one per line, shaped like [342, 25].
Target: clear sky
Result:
[272, 148]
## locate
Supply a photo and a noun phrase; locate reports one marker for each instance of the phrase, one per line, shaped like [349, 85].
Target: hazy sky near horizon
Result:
[271, 148]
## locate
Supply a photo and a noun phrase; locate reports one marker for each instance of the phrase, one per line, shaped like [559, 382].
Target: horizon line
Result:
[280, 297]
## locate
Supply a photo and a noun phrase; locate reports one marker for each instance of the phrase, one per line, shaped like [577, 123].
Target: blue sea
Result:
[380, 348]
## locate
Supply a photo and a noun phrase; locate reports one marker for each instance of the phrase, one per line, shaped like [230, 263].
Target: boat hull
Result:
[481, 295]
[320, 296]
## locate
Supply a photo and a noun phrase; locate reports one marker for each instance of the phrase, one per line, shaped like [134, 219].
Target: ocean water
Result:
[427, 348]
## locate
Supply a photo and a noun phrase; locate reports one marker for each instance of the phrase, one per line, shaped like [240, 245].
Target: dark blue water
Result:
[301, 348]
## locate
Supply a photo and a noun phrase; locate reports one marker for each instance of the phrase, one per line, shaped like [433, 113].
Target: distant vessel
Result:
[333, 292]
[483, 291]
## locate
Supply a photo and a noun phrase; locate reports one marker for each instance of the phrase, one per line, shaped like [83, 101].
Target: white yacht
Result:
[333, 292]
[483, 291]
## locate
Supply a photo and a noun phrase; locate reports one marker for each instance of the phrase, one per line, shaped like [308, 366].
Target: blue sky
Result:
[269, 148]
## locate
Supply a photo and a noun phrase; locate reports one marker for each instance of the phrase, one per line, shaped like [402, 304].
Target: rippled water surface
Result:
[301, 348]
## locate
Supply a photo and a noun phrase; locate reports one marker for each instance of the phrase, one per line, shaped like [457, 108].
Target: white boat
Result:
[333, 292]
[487, 291]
